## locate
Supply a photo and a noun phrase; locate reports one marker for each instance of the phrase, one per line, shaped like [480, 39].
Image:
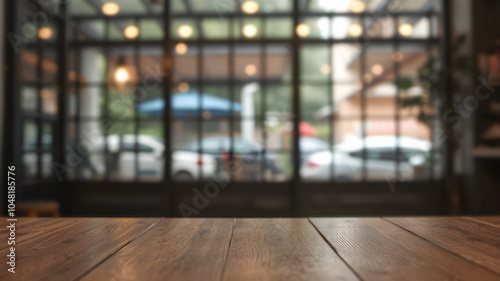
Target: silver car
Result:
[345, 163]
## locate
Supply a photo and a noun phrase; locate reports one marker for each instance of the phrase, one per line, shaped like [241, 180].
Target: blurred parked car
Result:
[380, 163]
[252, 154]
[150, 159]
[310, 145]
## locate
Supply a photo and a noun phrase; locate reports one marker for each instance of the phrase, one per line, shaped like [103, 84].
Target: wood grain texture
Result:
[475, 241]
[378, 250]
[32, 228]
[65, 248]
[493, 221]
[175, 249]
[282, 249]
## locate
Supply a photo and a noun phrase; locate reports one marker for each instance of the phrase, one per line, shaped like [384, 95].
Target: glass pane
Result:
[315, 27]
[216, 28]
[220, 6]
[278, 63]
[126, 29]
[187, 164]
[279, 28]
[278, 102]
[29, 99]
[46, 164]
[314, 62]
[91, 101]
[30, 160]
[414, 6]
[380, 144]
[215, 146]
[82, 8]
[216, 62]
[29, 64]
[151, 151]
[151, 29]
[247, 62]
[89, 141]
[122, 157]
[50, 61]
[71, 101]
[415, 27]
[30, 135]
[378, 26]
[325, 6]
[346, 63]
[90, 30]
[92, 65]
[49, 100]
[47, 137]
[185, 63]
[178, 6]
[315, 101]
[135, 6]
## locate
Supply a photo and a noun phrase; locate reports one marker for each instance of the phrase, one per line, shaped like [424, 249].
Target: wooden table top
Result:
[128, 249]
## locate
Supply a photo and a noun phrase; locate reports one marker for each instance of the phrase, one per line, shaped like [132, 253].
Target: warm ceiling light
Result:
[250, 30]
[183, 87]
[181, 48]
[367, 78]
[355, 30]
[44, 33]
[303, 30]
[357, 6]
[110, 9]
[325, 69]
[250, 69]
[185, 31]
[405, 29]
[250, 7]
[121, 74]
[131, 32]
[398, 56]
[377, 69]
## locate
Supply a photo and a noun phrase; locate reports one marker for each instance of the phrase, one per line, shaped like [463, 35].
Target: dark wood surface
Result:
[473, 240]
[115, 249]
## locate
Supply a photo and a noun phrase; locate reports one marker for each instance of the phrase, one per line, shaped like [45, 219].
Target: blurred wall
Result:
[485, 179]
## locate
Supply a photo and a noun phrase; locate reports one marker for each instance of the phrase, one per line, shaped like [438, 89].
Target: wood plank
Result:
[282, 249]
[378, 250]
[65, 248]
[475, 241]
[493, 221]
[32, 228]
[175, 249]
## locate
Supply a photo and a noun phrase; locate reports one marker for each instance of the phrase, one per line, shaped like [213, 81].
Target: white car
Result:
[185, 165]
[347, 160]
